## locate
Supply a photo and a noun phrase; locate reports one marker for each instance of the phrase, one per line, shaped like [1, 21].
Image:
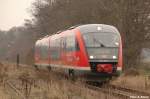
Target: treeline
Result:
[131, 17]
[17, 40]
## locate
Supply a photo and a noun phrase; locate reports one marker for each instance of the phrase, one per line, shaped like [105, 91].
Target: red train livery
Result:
[90, 50]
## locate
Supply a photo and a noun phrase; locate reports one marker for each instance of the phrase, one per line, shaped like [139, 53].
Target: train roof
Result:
[97, 27]
[42, 39]
[86, 28]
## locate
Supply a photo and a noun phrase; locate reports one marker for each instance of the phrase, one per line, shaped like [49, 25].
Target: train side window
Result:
[55, 49]
[44, 50]
[71, 43]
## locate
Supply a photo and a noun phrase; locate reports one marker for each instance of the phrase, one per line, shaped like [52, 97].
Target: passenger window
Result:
[55, 49]
[71, 44]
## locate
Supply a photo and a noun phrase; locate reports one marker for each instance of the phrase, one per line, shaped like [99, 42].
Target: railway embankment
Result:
[140, 82]
[25, 82]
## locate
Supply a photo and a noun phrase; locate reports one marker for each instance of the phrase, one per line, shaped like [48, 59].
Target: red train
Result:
[92, 50]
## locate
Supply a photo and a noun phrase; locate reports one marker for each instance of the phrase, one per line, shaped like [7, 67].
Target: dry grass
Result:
[139, 82]
[56, 87]
[50, 85]
[44, 85]
[134, 78]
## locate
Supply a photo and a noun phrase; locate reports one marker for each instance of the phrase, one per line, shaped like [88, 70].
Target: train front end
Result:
[103, 47]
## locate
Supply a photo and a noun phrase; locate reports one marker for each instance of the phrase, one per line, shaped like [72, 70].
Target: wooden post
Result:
[146, 82]
[18, 60]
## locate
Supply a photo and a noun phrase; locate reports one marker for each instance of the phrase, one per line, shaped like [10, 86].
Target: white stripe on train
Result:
[65, 66]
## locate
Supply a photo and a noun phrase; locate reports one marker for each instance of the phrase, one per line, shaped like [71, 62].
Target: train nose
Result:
[108, 68]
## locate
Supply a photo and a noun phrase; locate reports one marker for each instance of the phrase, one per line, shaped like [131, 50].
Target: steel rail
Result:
[12, 86]
[119, 91]
[138, 92]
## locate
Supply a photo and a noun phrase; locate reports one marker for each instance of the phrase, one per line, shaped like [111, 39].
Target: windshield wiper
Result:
[101, 44]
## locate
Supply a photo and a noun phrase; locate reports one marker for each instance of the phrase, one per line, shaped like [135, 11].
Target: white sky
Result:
[13, 13]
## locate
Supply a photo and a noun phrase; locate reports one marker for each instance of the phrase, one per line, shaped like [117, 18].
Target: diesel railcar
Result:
[92, 51]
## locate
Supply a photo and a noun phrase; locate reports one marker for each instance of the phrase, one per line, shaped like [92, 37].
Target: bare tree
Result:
[131, 17]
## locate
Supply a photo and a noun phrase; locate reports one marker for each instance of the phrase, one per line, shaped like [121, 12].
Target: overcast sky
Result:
[13, 13]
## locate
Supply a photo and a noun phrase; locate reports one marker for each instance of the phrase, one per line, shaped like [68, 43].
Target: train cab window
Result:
[101, 40]
[102, 45]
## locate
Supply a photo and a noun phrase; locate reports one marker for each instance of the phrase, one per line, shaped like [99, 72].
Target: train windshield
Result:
[101, 40]
[102, 45]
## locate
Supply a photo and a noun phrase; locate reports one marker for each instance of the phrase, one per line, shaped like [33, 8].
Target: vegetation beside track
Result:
[140, 82]
[26, 82]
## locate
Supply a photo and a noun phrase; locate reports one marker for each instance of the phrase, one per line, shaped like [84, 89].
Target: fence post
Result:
[18, 60]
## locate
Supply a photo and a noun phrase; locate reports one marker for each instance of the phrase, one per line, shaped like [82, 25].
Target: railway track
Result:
[123, 93]
[138, 92]
[15, 90]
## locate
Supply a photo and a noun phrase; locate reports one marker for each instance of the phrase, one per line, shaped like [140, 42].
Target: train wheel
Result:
[71, 74]
[36, 67]
[49, 68]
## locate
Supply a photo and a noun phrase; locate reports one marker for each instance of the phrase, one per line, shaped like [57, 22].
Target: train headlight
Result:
[91, 57]
[117, 43]
[114, 57]
[99, 28]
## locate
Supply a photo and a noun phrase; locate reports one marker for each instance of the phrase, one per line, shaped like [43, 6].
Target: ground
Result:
[25, 82]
